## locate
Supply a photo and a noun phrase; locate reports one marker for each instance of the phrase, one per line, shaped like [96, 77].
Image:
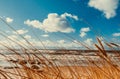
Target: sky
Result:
[58, 23]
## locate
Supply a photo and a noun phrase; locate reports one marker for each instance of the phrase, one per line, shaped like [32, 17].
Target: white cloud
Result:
[89, 41]
[61, 41]
[116, 41]
[27, 36]
[18, 42]
[83, 31]
[53, 23]
[21, 31]
[9, 20]
[12, 37]
[108, 7]
[82, 34]
[116, 34]
[69, 15]
[45, 35]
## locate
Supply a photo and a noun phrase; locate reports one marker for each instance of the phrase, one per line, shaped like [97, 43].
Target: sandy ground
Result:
[64, 71]
[70, 72]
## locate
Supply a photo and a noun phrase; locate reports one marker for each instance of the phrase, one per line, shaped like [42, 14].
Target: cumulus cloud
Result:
[83, 31]
[54, 23]
[89, 41]
[21, 31]
[108, 7]
[9, 20]
[116, 34]
[45, 35]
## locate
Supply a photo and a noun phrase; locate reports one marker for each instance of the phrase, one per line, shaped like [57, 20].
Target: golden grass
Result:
[32, 66]
[35, 67]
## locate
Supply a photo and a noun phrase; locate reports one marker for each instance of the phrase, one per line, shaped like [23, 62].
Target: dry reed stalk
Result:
[107, 70]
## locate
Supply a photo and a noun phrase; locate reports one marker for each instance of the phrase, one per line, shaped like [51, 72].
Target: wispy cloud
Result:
[61, 41]
[12, 37]
[116, 34]
[108, 7]
[27, 37]
[54, 23]
[45, 35]
[36, 43]
[21, 31]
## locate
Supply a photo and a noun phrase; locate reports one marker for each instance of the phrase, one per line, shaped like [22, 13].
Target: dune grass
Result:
[29, 65]
[32, 66]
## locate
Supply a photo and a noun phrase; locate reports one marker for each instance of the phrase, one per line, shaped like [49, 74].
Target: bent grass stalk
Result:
[106, 70]
[43, 68]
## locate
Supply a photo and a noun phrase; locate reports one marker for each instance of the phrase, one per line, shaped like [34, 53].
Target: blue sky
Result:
[53, 20]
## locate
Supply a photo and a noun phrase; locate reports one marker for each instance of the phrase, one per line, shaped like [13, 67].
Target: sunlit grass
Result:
[30, 65]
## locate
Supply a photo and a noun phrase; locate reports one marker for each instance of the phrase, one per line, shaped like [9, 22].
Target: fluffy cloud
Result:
[89, 41]
[45, 35]
[83, 31]
[116, 34]
[54, 23]
[9, 20]
[108, 7]
[21, 31]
